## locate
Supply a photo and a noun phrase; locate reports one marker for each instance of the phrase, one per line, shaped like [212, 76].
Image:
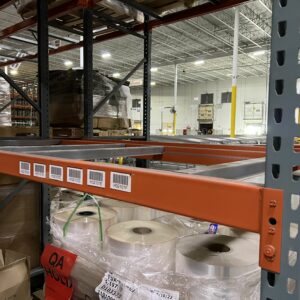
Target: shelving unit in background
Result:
[22, 113]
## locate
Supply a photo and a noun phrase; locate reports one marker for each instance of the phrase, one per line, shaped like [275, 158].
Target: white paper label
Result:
[96, 178]
[120, 182]
[75, 175]
[24, 168]
[114, 287]
[56, 173]
[39, 170]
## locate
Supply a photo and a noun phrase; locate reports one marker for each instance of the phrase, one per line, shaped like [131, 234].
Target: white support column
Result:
[81, 55]
[234, 72]
[175, 98]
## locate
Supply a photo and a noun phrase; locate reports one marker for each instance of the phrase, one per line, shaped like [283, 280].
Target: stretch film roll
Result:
[147, 243]
[125, 211]
[226, 267]
[84, 224]
[147, 214]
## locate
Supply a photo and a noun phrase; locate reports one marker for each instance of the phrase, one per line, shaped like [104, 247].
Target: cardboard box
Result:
[20, 222]
[14, 276]
[108, 123]
[68, 132]
[8, 131]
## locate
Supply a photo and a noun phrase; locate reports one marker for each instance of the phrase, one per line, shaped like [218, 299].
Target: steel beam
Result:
[102, 153]
[58, 147]
[234, 170]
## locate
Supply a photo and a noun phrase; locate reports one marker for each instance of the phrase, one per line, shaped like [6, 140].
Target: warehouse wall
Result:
[249, 90]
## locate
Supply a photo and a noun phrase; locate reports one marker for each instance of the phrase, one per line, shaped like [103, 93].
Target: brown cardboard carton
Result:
[108, 123]
[14, 276]
[20, 221]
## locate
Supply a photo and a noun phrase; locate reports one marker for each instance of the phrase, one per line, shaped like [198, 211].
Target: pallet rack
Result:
[265, 210]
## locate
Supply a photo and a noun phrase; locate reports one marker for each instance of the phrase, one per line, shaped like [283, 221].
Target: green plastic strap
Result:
[66, 226]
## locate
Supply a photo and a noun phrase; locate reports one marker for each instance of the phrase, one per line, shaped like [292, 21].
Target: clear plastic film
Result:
[123, 9]
[142, 257]
[66, 94]
[221, 267]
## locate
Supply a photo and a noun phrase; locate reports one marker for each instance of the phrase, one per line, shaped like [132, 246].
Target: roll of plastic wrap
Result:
[222, 267]
[84, 224]
[125, 211]
[147, 214]
[216, 256]
[147, 243]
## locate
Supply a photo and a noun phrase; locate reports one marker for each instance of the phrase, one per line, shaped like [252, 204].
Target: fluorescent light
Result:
[14, 72]
[199, 62]
[116, 75]
[259, 53]
[154, 69]
[106, 55]
[68, 63]
[153, 83]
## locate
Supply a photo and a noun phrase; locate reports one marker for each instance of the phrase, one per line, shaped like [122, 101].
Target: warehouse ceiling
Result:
[202, 47]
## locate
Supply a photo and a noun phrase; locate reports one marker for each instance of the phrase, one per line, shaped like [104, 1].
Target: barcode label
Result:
[56, 173]
[74, 176]
[39, 170]
[24, 168]
[120, 181]
[96, 178]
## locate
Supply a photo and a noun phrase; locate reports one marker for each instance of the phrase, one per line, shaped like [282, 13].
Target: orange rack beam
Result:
[239, 205]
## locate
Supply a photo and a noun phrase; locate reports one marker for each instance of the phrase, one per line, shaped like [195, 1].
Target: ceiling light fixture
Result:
[199, 62]
[14, 72]
[106, 55]
[259, 53]
[153, 83]
[116, 75]
[68, 63]
[154, 69]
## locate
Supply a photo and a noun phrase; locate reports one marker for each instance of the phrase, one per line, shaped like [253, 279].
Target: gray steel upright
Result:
[43, 87]
[88, 71]
[147, 79]
[282, 160]
[43, 67]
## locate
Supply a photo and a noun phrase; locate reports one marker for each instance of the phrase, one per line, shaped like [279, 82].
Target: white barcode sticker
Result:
[24, 168]
[96, 178]
[120, 182]
[75, 176]
[39, 170]
[56, 173]
[114, 287]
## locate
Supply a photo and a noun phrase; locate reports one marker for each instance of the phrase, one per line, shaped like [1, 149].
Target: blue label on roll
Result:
[213, 228]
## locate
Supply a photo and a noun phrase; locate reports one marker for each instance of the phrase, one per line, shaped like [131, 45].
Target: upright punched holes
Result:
[278, 115]
[277, 143]
[283, 3]
[282, 26]
[275, 171]
[280, 58]
[279, 86]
